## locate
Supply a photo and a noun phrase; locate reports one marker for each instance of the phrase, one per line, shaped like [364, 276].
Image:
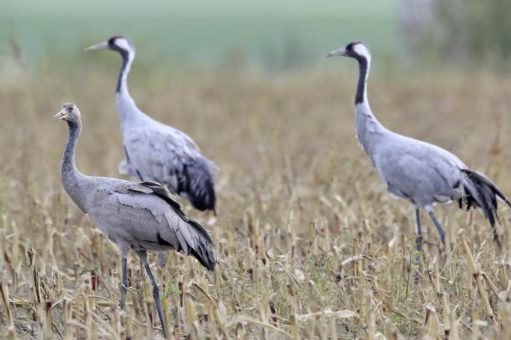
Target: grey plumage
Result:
[139, 216]
[157, 152]
[418, 171]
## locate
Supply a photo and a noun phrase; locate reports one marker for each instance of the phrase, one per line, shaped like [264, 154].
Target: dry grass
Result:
[310, 244]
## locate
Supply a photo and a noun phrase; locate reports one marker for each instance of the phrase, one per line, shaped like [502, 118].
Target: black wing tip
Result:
[206, 257]
[487, 192]
[205, 252]
[205, 202]
[203, 196]
[200, 188]
[504, 198]
[210, 266]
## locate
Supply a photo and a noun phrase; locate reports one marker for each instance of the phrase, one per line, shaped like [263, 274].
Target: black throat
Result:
[362, 65]
[125, 57]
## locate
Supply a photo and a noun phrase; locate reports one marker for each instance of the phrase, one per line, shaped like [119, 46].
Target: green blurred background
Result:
[273, 36]
[270, 35]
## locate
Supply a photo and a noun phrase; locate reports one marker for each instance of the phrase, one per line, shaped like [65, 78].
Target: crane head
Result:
[69, 112]
[117, 43]
[356, 49]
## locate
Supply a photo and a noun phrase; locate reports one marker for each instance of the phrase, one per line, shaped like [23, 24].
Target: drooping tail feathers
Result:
[193, 238]
[200, 184]
[481, 192]
[204, 250]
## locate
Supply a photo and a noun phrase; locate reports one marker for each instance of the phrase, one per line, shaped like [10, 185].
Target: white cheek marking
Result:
[123, 43]
[360, 49]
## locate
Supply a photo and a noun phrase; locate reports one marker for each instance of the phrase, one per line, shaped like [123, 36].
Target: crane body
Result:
[135, 216]
[420, 172]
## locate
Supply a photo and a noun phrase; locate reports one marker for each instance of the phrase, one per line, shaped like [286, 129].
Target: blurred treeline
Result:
[466, 31]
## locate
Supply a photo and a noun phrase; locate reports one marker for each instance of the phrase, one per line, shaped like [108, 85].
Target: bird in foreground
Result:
[420, 172]
[154, 151]
[139, 216]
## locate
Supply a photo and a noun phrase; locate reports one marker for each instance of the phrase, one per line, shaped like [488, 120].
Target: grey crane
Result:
[140, 216]
[154, 151]
[420, 172]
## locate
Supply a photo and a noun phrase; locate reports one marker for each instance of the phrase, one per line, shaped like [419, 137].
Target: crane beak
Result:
[62, 114]
[101, 46]
[341, 52]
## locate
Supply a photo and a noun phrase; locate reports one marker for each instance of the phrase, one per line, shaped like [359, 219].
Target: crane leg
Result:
[437, 224]
[124, 282]
[156, 290]
[418, 244]
[418, 230]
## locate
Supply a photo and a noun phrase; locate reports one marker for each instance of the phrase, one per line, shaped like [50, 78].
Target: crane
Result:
[420, 172]
[139, 216]
[155, 151]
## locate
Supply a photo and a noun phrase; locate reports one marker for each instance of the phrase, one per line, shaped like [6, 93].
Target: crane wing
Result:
[159, 155]
[168, 156]
[419, 171]
[146, 216]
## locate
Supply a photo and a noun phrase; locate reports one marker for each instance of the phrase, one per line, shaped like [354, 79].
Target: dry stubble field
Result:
[310, 245]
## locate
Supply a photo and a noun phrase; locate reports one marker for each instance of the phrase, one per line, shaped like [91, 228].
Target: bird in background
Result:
[154, 151]
[139, 216]
[420, 172]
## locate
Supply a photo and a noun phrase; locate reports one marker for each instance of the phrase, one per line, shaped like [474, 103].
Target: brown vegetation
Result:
[310, 244]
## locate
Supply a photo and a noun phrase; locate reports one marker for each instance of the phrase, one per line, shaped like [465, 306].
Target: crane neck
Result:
[122, 81]
[368, 128]
[72, 178]
[129, 114]
[68, 161]
[364, 65]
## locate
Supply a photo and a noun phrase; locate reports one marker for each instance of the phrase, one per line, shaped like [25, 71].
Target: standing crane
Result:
[140, 216]
[155, 151]
[420, 172]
